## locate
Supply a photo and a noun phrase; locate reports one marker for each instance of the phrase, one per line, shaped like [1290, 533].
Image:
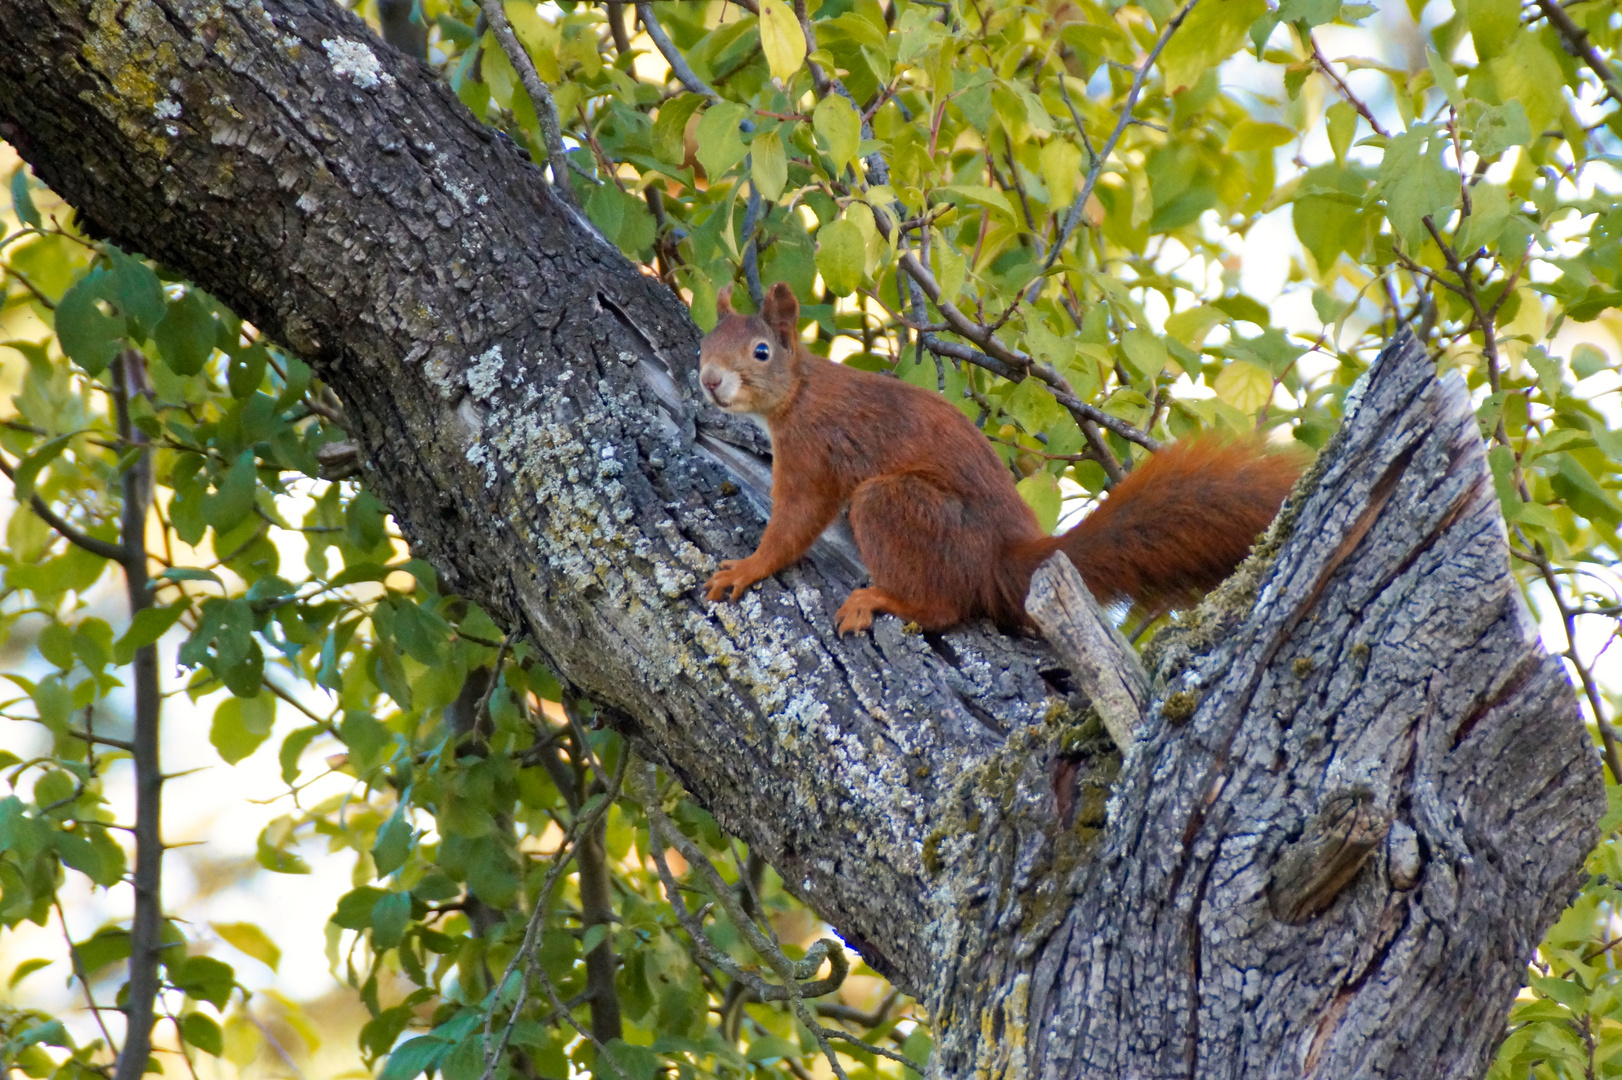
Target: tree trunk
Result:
[526, 402]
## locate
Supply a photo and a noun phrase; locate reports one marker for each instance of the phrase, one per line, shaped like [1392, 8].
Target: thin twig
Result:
[546, 108]
[1345, 91]
[1074, 217]
[667, 48]
[1577, 43]
[63, 529]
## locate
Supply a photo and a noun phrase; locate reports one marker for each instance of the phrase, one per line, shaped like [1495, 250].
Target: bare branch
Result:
[546, 109]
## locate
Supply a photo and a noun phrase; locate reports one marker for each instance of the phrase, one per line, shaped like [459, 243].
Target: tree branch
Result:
[540, 95]
[129, 379]
[62, 528]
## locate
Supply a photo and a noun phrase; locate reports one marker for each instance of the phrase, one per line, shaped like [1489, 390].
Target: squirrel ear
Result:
[782, 313]
[723, 301]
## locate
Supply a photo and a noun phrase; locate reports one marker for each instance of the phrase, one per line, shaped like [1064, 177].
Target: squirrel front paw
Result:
[735, 574]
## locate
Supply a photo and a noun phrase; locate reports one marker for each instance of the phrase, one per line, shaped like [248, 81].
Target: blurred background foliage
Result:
[1094, 226]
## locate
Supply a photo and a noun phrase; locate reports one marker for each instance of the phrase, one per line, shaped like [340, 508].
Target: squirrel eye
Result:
[763, 351]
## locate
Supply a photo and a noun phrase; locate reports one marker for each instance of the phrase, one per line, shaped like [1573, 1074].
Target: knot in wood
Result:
[1313, 870]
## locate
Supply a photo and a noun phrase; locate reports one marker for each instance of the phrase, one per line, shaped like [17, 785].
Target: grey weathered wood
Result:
[1105, 666]
[1379, 642]
[524, 402]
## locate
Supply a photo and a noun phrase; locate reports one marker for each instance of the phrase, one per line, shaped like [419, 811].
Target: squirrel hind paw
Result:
[855, 614]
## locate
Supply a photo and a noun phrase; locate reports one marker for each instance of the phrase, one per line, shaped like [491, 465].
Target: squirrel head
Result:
[748, 364]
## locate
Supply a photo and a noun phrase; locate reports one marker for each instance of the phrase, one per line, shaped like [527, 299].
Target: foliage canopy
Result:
[1054, 213]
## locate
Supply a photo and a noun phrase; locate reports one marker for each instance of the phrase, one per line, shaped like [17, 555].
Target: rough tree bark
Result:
[1360, 791]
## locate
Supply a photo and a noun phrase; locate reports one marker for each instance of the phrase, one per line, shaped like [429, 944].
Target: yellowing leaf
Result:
[1061, 171]
[1211, 33]
[781, 39]
[1527, 325]
[1528, 73]
[1244, 386]
[1255, 135]
[951, 268]
[539, 37]
[248, 938]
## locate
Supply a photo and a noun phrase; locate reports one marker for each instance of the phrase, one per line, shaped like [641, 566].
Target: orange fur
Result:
[943, 530]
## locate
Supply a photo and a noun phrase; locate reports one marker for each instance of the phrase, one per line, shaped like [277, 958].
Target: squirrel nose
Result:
[710, 379]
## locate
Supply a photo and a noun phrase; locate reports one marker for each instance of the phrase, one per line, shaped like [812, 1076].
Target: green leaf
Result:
[769, 163]
[203, 978]
[1583, 493]
[841, 256]
[247, 369]
[1493, 23]
[1210, 34]
[1340, 120]
[241, 724]
[720, 143]
[1310, 12]
[233, 496]
[148, 626]
[781, 39]
[293, 748]
[365, 737]
[769, 1048]
[1415, 183]
[100, 949]
[390, 916]
[1588, 360]
[1145, 351]
[27, 967]
[200, 1031]
[1191, 326]
[839, 128]
[26, 475]
[354, 911]
[276, 860]
[190, 573]
[136, 292]
[670, 129]
[1060, 162]
[22, 203]
[981, 194]
[185, 337]
[248, 938]
[89, 337]
[1250, 134]
[1040, 490]
[1446, 81]
[414, 1057]
[393, 843]
[1500, 128]
[1244, 308]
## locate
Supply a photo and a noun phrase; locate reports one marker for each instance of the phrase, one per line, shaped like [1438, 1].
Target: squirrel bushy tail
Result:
[1180, 522]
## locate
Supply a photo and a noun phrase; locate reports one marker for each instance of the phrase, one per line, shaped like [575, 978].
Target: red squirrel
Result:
[944, 532]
